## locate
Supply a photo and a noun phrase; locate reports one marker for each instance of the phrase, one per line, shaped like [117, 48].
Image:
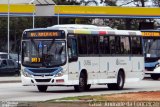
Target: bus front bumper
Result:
[155, 71]
[44, 80]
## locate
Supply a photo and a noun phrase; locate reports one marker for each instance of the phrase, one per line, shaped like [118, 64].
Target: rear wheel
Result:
[120, 82]
[155, 76]
[42, 88]
[82, 83]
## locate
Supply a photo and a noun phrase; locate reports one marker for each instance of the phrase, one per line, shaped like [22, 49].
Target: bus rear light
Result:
[59, 80]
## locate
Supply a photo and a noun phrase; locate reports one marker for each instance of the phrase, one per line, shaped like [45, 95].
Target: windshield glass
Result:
[43, 53]
[152, 47]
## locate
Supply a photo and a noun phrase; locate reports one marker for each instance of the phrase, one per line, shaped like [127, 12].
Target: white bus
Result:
[151, 39]
[81, 56]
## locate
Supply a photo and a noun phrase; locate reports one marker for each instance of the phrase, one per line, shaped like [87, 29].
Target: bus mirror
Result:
[73, 58]
[69, 43]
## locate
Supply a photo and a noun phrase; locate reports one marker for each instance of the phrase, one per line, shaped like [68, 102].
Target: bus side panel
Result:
[137, 69]
[104, 68]
[91, 64]
[73, 72]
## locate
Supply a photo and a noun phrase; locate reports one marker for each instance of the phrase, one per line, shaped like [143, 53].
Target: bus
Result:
[81, 56]
[151, 39]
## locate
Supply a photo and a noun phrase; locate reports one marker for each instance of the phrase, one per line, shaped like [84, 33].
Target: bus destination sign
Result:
[45, 34]
[148, 34]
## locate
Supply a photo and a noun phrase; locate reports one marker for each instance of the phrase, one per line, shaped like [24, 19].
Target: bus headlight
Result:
[61, 73]
[158, 65]
[26, 74]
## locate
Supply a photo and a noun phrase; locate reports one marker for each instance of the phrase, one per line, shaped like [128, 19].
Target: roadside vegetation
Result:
[131, 96]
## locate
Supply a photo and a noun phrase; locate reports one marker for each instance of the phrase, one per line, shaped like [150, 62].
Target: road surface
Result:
[17, 92]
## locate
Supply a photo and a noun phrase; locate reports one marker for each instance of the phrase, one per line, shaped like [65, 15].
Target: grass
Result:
[138, 96]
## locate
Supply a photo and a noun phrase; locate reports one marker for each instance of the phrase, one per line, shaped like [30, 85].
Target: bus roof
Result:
[80, 26]
[89, 29]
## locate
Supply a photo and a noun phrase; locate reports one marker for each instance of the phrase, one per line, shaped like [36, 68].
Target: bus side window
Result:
[117, 45]
[114, 44]
[125, 45]
[136, 45]
[82, 44]
[104, 45]
[72, 49]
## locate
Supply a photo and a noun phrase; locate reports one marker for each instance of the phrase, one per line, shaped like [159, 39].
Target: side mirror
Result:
[69, 42]
[73, 58]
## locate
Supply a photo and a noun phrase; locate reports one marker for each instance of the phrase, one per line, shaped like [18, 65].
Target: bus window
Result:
[95, 44]
[125, 45]
[90, 44]
[104, 45]
[117, 45]
[72, 50]
[136, 45]
[114, 44]
[82, 48]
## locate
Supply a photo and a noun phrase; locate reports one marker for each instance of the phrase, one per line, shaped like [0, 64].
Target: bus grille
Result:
[43, 80]
[42, 70]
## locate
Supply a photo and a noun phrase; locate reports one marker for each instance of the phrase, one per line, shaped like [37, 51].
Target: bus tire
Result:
[42, 88]
[88, 87]
[155, 76]
[120, 82]
[82, 83]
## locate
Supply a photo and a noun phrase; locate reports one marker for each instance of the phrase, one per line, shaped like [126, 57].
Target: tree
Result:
[156, 3]
[109, 2]
[137, 3]
[67, 2]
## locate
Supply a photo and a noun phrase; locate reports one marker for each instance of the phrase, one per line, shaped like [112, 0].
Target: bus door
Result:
[73, 66]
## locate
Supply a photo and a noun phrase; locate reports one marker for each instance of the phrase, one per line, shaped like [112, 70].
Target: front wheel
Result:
[42, 88]
[120, 82]
[155, 76]
[88, 87]
[82, 83]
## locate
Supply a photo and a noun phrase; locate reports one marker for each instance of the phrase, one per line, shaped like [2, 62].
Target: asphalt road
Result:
[17, 92]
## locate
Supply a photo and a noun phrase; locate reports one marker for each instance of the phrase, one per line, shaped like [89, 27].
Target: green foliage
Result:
[156, 3]
[109, 2]
[67, 2]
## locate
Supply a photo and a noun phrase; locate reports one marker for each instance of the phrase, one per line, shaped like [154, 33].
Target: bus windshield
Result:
[152, 47]
[43, 53]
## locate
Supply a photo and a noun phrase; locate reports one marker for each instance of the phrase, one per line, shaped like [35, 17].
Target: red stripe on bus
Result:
[102, 32]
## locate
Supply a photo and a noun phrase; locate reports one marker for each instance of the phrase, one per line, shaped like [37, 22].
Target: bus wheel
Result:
[82, 83]
[88, 87]
[42, 88]
[120, 82]
[155, 76]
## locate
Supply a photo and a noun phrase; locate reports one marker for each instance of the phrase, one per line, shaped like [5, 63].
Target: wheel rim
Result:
[81, 83]
[120, 80]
